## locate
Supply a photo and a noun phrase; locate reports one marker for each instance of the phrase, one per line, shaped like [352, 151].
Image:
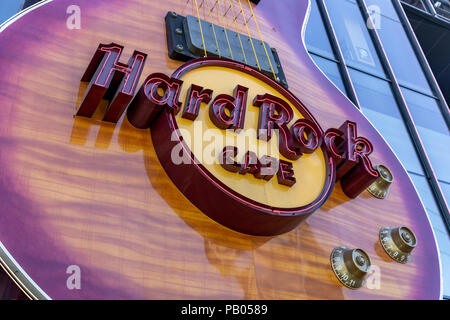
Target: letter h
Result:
[112, 80]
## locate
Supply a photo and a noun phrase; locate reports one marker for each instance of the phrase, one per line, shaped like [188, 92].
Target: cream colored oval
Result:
[206, 141]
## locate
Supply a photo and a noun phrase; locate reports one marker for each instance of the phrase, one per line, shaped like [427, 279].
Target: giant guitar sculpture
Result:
[88, 183]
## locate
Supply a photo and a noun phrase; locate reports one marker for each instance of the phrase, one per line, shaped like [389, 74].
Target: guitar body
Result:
[78, 191]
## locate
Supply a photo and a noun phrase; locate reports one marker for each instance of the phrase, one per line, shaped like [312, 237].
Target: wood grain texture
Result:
[78, 191]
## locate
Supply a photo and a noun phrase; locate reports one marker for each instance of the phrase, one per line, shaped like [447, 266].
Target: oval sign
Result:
[231, 171]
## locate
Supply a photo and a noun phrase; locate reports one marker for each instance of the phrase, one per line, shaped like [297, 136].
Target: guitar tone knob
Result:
[380, 188]
[398, 242]
[350, 266]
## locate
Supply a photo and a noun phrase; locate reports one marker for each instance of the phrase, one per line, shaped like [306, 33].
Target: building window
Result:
[353, 36]
[9, 8]
[379, 106]
[402, 58]
[434, 134]
[316, 36]
[331, 70]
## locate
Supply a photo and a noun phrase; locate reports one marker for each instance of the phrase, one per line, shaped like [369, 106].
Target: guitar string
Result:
[201, 30]
[219, 15]
[185, 6]
[215, 4]
[249, 36]
[237, 29]
[213, 29]
[235, 17]
[262, 40]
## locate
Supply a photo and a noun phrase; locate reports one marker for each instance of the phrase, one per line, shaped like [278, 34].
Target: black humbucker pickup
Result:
[185, 42]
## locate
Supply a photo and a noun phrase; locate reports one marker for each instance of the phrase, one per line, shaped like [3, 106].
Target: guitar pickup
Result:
[185, 42]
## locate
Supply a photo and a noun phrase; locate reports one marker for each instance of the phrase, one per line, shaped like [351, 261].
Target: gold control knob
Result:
[350, 266]
[398, 242]
[380, 188]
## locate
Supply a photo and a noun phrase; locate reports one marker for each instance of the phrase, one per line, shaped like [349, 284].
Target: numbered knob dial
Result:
[350, 266]
[398, 243]
[380, 188]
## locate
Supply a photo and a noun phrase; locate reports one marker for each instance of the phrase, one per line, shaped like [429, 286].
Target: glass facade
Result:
[353, 36]
[379, 101]
[379, 106]
[406, 66]
[323, 54]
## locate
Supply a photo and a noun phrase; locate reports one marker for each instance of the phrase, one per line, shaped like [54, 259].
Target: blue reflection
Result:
[433, 131]
[401, 55]
[399, 50]
[379, 106]
[385, 7]
[353, 36]
[331, 70]
[316, 37]
[8, 8]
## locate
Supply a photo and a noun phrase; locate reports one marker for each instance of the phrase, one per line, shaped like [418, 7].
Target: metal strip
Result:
[429, 7]
[312, 51]
[20, 277]
[407, 118]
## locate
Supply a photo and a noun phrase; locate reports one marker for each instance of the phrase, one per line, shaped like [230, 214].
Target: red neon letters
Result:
[158, 92]
[112, 80]
[234, 105]
[116, 82]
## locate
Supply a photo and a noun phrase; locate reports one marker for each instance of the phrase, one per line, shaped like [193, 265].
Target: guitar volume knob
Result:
[398, 242]
[350, 266]
[380, 188]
